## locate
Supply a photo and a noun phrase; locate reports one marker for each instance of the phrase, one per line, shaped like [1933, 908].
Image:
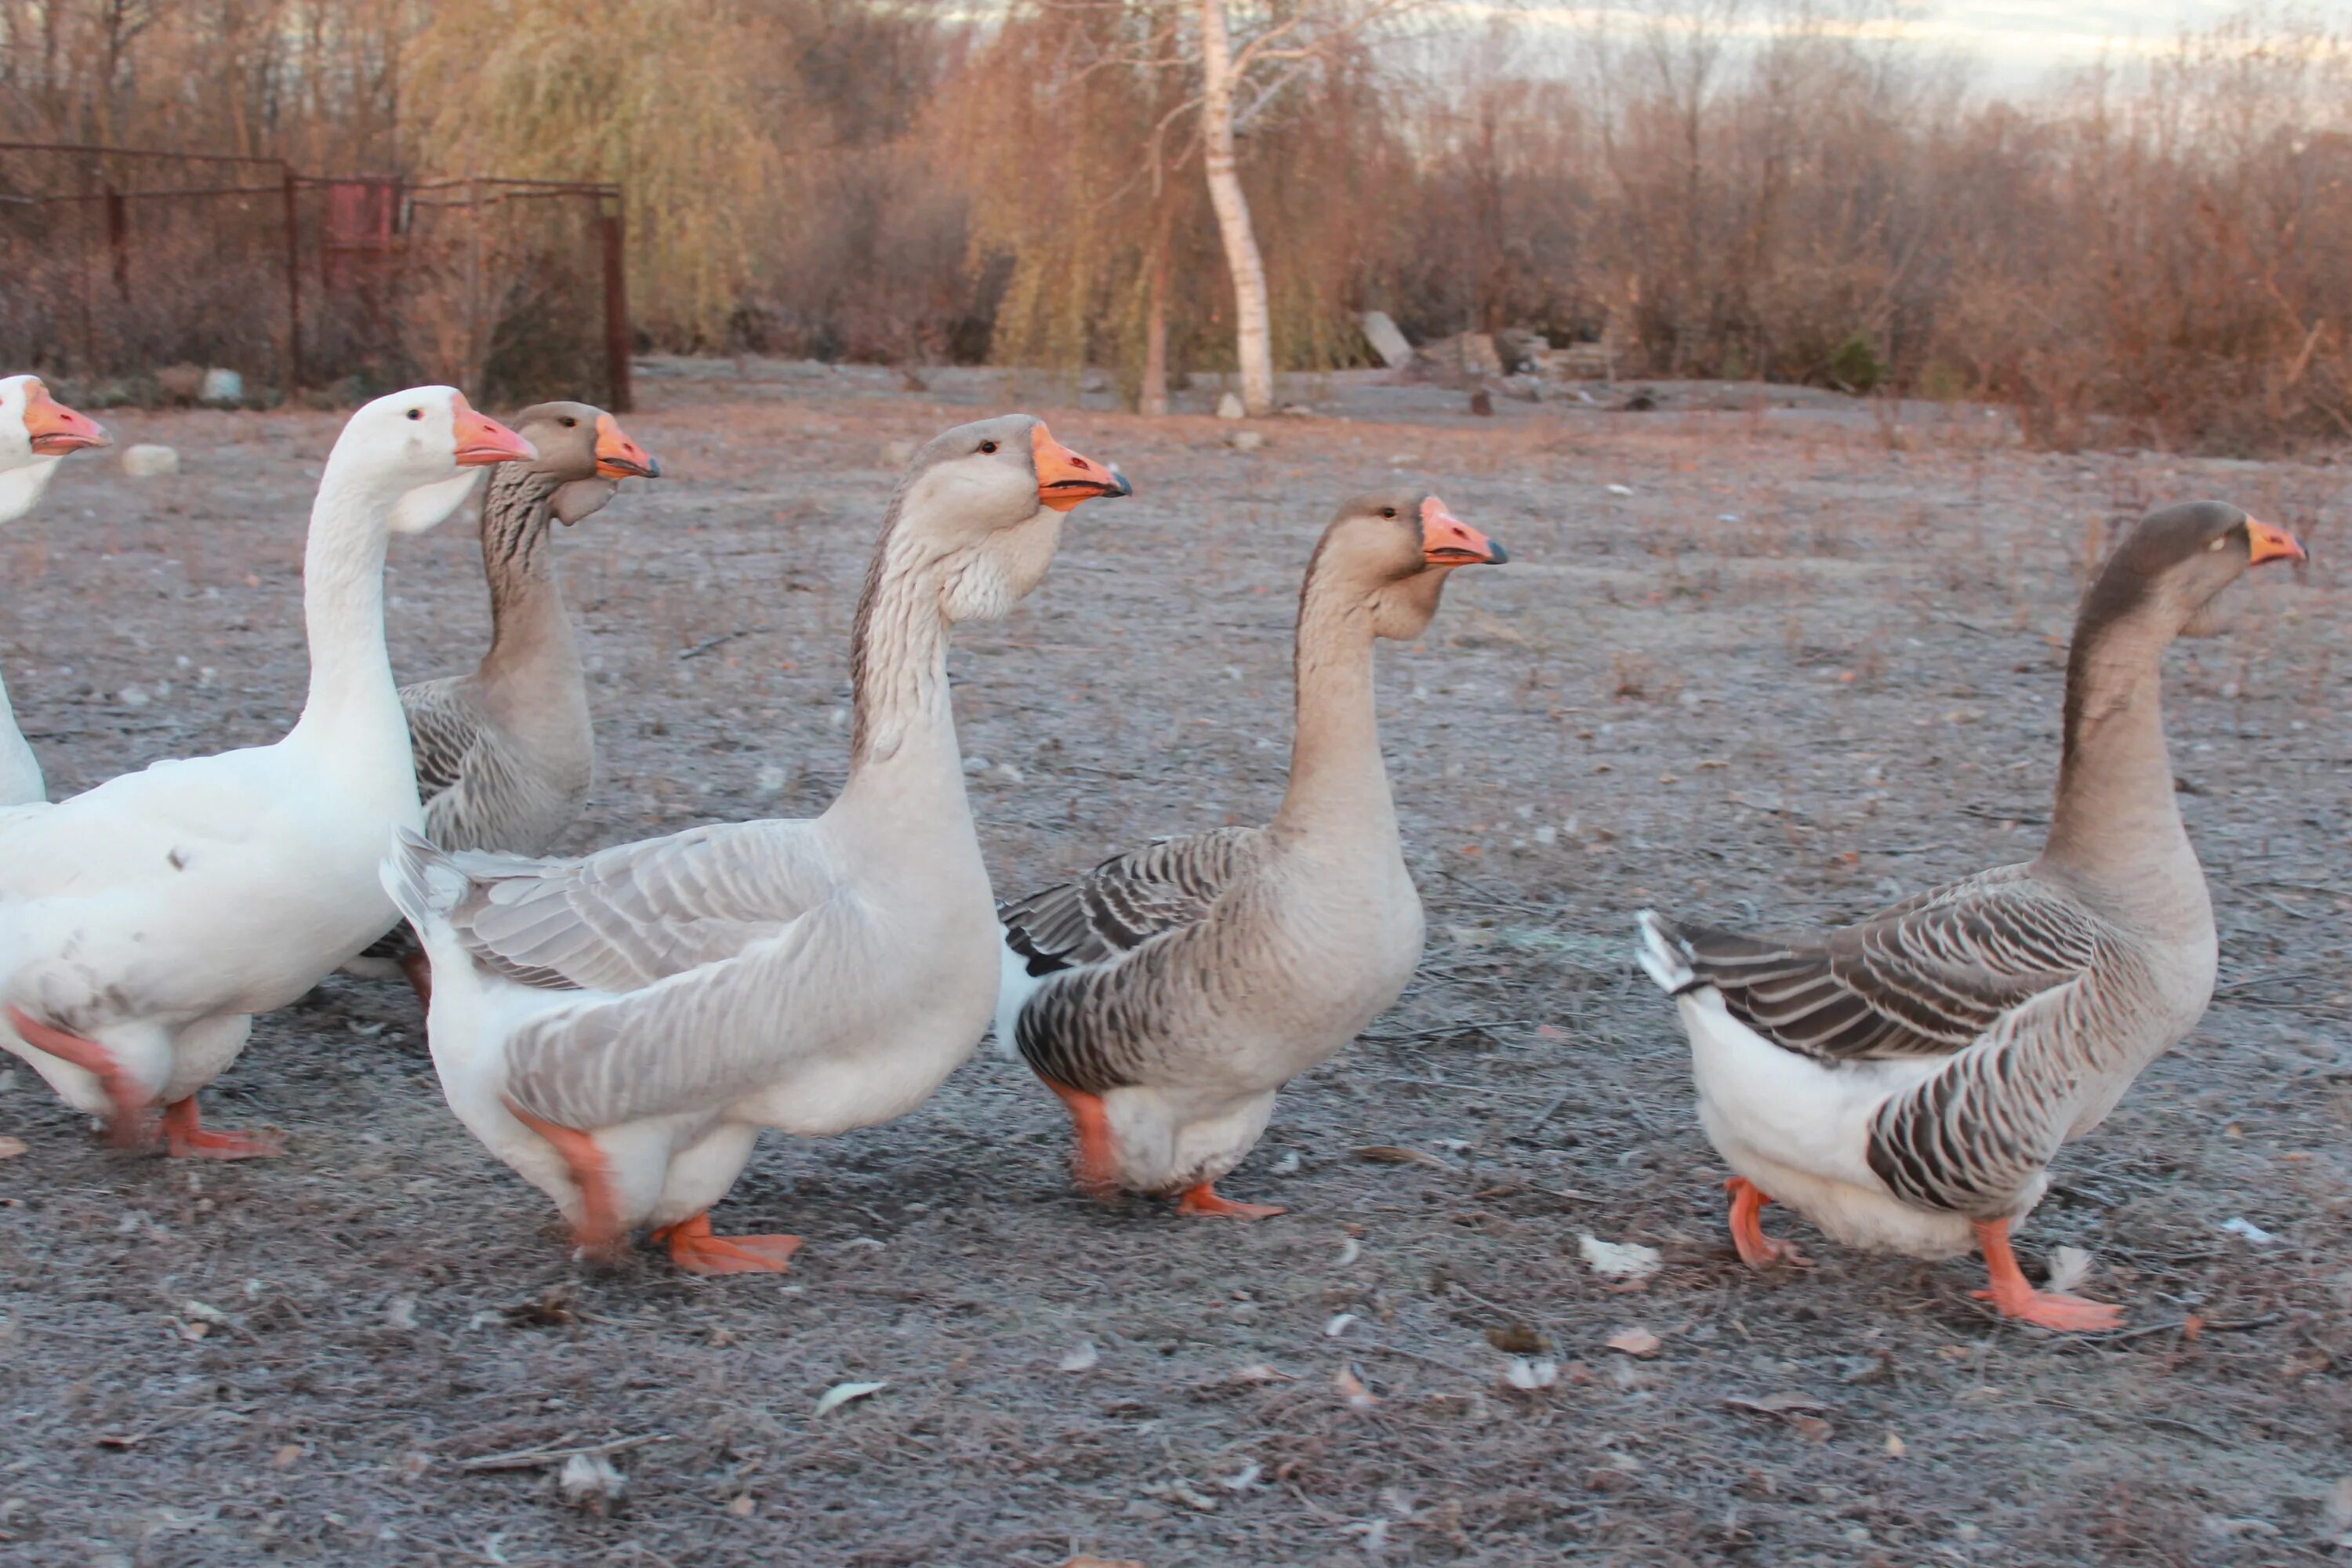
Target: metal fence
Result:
[124, 267]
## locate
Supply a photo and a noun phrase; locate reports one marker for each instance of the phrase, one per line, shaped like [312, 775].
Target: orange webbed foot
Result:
[1756, 1249]
[694, 1249]
[1203, 1200]
[186, 1138]
[1095, 1166]
[2014, 1297]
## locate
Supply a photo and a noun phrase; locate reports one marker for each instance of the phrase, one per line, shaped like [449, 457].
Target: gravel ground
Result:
[1748, 662]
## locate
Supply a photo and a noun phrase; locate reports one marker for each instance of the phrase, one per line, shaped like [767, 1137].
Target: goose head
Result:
[985, 501]
[420, 452]
[2170, 569]
[1395, 549]
[35, 425]
[587, 450]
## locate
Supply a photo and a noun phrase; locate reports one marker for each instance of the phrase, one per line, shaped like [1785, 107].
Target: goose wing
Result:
[1127, 900]
[1926, 978]
[442, 729]
[630, 916]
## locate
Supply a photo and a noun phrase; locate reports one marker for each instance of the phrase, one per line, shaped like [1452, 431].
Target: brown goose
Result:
[1905, 1082]
[1169, 993]
[506, 755]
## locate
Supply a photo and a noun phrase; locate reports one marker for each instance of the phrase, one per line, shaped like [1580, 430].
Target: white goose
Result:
[1903, 1083]
[618, 1029]
[142, 923]
[36, 433]
[1167, 994]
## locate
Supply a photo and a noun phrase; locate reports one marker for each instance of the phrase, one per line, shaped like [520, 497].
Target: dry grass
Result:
[391, 1305]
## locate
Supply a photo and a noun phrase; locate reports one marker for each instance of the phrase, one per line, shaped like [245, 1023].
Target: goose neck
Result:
[529, 626]
[1338, 781]
[352, 692]
[2116, 825]
[903, 742]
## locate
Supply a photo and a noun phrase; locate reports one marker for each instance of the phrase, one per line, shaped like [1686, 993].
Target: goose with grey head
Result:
[1905, 1082]
[505, 753]
[618, 1029]
[36, 432]
[1169, 993]
[143, 922]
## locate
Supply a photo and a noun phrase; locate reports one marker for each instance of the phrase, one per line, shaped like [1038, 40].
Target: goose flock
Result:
[618, 1027]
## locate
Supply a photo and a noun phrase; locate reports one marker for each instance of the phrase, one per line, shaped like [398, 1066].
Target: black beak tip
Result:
[1124, 488]
[653, 468]
[1500, 554]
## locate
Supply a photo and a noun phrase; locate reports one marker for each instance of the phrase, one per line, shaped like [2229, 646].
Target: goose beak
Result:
[1065, 478]
[482, 440]
[617, 457]
[54, 429]
[1447, 541]
[2273, 543]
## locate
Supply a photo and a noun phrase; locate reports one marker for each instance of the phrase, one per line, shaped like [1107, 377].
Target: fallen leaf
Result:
[2069, 1267]
[284, 1458]
[1351, 1389]
[1260, 1372]
[1517, 1338]
[1338, 1325]
[1635, 1341]
[1811, 1427]
[1894, 1447]
[11, 1147]
[1529, 1375]
[744, 1507]
[1350, 1250]
[1079, 1357]
[2249, 1230]
[841, 1393]
[1390, 1154]
[1619, 1259]
[1182, 1491]
[1240, 1481]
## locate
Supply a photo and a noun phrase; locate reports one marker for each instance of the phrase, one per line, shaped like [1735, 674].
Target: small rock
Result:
[1245, 440]
[1482, 404]
[1230, 407]
[1387, 340]
[150, 462]
[590, 1483]
[222, 386]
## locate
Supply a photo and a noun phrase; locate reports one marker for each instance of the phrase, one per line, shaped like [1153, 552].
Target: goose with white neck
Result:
[36, 432]
[618, 1029]
[1167, 994]
[1905, 1082]
[505, 753]
[144, 922]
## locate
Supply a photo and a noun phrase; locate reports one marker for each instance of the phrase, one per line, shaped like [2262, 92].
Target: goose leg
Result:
[693, 1248]
[1095, 1165]
[419, 970]
[187, 1137]
[1756, 1249]
[1203, 1200]
[2014, 1297]
[127, 1127]
[598, 1232]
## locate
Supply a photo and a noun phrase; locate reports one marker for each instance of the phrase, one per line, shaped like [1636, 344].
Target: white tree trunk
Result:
[1253, 327]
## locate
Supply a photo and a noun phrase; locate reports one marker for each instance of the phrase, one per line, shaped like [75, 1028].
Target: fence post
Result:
[293, 291]
[118, 238]
[616, 307]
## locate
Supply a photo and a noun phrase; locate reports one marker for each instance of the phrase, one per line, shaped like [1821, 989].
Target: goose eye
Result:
[1388, 511]
[988, 446]
[569, 422]
[416, 413]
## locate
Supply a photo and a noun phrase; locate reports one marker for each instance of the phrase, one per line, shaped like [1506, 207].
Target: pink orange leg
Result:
[127, 1127]
[1203, 1200]
[1095, 1165]
[186, 1137]
[419, 970]
[693, 1248]
[1756, 1249]
[2013, 1297]
[599, 1230]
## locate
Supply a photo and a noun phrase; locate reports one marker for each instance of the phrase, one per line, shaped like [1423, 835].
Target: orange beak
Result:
[617, 457]
[1065, 478]
[54, 429]
[2273, 543]
[482, 440]
[1447, 541]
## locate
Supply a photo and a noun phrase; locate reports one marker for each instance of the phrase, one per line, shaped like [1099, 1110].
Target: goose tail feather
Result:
[422, 879]
[1664, 957]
